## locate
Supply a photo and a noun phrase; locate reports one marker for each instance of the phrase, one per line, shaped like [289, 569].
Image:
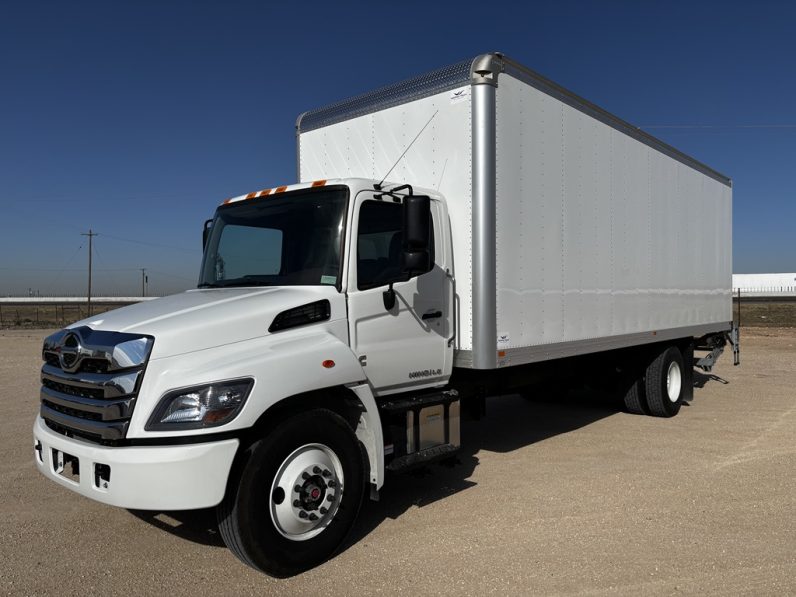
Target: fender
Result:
[282, 364]
[369, 432]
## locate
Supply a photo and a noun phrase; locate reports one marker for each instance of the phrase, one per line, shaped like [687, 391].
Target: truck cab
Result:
[350, 238]
[314, 300]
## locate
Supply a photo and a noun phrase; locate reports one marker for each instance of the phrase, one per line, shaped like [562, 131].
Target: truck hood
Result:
[200, 319]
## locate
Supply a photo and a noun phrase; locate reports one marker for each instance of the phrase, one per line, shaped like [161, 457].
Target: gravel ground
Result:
[550, 497]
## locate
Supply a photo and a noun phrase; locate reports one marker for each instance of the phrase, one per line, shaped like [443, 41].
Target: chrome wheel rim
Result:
[674, 381]
[306, 492]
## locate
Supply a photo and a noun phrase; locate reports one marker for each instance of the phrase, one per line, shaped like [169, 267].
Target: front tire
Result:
[297, 495]
[665, 383]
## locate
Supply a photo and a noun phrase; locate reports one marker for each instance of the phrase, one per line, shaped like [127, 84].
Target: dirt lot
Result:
[550, 497]
[767, 313]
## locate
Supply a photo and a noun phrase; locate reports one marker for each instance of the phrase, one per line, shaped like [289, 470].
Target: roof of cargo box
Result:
[484, 68]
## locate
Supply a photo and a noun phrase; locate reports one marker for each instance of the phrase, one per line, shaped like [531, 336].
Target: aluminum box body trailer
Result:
[573, 231]
[474, 231]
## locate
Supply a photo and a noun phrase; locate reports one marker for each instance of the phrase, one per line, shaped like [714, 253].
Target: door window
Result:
[379, 244]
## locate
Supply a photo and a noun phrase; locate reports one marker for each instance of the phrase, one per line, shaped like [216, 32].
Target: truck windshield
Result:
[291, 239]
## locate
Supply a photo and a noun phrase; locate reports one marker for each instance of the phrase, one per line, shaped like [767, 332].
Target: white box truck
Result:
[470, 231]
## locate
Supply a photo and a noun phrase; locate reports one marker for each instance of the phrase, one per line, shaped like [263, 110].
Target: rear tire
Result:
[634, 398]
[296, 494]
[665, 383]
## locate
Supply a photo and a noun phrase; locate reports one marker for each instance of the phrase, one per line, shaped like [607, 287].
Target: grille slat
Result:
[114, 430]
[94, 399]
[88, 408]
[73, 390]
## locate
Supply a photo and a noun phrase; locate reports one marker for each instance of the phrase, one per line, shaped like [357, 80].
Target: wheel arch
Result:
[354, 403]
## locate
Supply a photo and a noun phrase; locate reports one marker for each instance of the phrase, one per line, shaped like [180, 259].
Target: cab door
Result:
[407, 345]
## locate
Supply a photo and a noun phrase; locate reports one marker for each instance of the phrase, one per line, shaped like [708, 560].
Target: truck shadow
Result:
[197, 526]
[511, 422]
[702, 379]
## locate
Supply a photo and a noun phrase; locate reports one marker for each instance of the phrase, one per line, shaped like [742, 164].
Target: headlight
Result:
[198, 407]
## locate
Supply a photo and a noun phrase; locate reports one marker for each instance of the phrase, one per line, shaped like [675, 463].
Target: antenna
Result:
[408, 147]
[445, 165]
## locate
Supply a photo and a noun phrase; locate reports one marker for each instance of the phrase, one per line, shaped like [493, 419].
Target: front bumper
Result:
[175, 477]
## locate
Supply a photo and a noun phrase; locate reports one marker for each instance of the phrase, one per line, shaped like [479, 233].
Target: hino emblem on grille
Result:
[70, 352]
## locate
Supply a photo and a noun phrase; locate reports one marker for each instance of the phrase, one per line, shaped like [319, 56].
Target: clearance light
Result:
[319, 183]
[328, 364]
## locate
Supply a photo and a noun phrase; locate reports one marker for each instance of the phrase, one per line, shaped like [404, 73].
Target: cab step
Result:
[420, 429]
[409, 461]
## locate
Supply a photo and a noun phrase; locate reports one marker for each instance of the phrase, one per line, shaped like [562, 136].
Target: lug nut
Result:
[302, 514]
[327, 473]
[305, 475]
[313, 517]
[316, 470]
[296, 503]
[329, 498]
[297, 489]
[332, 483]
[322, 510]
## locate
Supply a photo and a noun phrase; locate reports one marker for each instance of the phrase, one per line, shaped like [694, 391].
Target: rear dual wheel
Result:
[293, 502]
[664, 383]
[658, 389]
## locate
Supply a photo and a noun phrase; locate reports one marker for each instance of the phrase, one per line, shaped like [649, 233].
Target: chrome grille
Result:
[90, 382]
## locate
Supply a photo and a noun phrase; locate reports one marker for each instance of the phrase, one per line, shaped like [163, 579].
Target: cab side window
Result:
[379, 244]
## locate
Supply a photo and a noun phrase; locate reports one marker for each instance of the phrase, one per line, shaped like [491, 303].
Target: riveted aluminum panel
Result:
[545, 85]
[599, 234]
[431, 83]
[368, 146]
[546, 352]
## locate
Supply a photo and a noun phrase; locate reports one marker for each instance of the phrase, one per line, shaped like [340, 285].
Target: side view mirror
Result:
[206, 232]
[416, 257]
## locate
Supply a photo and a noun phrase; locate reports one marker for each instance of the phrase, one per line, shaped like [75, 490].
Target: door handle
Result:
[431, 315]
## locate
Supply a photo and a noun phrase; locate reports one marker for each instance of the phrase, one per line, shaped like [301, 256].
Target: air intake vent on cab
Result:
[303, 315]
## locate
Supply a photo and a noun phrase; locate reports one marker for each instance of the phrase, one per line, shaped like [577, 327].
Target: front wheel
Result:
[297, 496]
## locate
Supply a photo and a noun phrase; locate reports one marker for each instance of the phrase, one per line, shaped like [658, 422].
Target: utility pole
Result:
[144, 281]
[90, 234]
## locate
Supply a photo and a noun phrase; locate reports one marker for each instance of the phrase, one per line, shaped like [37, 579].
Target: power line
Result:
[718, 126]
[74, 269]
[154, 271]
[141, 242]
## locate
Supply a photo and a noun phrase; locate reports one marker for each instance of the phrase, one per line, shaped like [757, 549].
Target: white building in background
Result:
[765, 284]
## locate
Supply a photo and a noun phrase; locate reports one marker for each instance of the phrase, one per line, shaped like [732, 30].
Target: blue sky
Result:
[137, 118]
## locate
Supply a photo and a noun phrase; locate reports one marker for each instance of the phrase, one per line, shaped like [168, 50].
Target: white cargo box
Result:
[573, 231]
